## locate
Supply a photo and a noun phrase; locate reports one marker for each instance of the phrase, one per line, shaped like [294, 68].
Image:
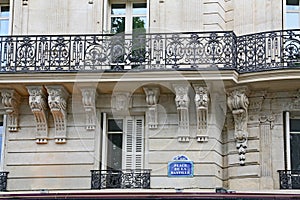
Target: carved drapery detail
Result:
[39, 108]
[152, 96]
[89, 104]
[121, 102]
[25, 2]
[201, 102]
[11, 102]
[57, 101]
[182, 101]
[238, 103]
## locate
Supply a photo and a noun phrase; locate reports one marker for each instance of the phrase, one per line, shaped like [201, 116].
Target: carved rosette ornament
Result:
[57, 101]
[89, 104]
[201, 102]
[152, 96]
[238, 103]
[182, 101]
[39, 108]
[11, 102]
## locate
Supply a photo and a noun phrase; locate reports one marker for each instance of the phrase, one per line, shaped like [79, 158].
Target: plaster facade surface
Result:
[230, 125]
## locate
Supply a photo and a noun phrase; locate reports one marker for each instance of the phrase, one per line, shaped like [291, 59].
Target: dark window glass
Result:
[117, 24]
[115, 125]
[295, 125]
[139, 9]
[292, 2]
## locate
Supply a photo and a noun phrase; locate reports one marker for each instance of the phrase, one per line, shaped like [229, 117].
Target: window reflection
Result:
[139, 9]
[117, 24]
[118, 9]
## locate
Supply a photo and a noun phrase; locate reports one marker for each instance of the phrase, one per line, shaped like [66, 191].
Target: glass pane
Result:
[292, 7]
[295, 125]
[292, 20]
[115, 125]
[114, 154]
[118, 9]
[4, 27]
[1, 138]
[292, 2]
[139, 23]
[139, 9]
[117, 24]
[4, 11]
[295, 151]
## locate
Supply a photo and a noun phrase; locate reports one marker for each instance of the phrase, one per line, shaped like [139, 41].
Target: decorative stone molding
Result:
[152, 96]
[182, 101]
[57, 101]
[89, 104]
[201, 102]
[39, 108]
[238, 103]
[202, 138]
[11, 102]
[121, 102]
[268, 120]
[183, 139]
[295, 104]
[25, 2]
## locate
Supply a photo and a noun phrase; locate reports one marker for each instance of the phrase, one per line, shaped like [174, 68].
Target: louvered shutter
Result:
[134, 143]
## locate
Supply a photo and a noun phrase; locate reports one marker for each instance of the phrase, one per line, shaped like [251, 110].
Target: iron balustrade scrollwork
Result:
[3, 181]
[152, 51]
[289, 179]
[104, 179]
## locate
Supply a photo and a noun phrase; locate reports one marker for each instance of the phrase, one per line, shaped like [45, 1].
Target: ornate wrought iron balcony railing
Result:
[161, 51]
[137, 178]
[289, 179]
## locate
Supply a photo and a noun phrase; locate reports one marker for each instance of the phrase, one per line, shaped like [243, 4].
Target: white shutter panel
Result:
[134, 143]
[139, 141]
[129, 143]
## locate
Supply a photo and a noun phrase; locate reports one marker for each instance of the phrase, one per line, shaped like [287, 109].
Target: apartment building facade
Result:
[190, 94]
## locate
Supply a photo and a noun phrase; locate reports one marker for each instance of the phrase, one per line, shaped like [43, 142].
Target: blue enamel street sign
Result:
[181, 166]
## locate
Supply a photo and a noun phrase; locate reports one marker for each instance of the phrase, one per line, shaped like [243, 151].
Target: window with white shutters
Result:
[134, 143]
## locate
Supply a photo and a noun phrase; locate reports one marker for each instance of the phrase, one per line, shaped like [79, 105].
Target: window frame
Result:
[128, 14]
[294, 11]
[6, 17]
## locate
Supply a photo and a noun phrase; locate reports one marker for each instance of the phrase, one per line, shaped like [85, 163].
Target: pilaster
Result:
[89, 104]
[152, 96]
[182, 101]
[201, 102]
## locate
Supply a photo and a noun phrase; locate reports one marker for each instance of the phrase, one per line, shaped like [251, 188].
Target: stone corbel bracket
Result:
[152, 96]
[201, 102]
[11, 102]
[39, 108]
[57, 101]
[182, 101]
[89, 104]
[238, 103]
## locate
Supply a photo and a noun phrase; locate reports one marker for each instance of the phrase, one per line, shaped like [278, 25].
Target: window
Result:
[292, 17]
[295, 143]
[4, 19]
[125, 143]
[2, 139]
[126, 17]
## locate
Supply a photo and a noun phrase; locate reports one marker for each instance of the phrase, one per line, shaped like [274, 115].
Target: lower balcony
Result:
[109, 179]
[289, 179]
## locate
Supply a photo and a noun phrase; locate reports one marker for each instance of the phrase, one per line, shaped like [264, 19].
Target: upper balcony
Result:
[140, 52]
